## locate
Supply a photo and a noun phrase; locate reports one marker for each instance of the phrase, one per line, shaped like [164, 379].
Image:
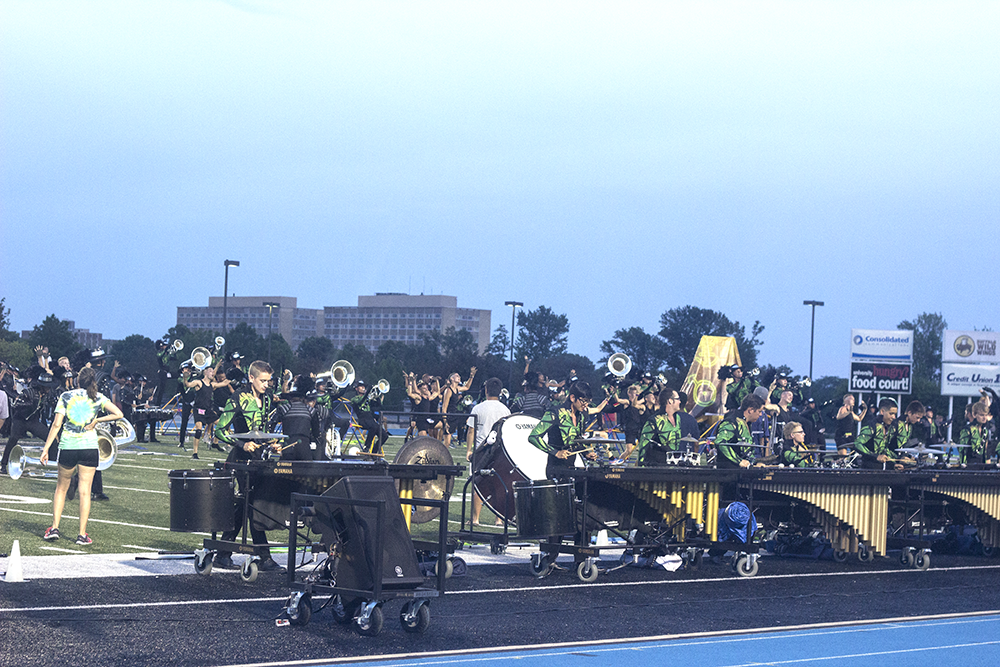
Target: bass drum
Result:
[512, 458]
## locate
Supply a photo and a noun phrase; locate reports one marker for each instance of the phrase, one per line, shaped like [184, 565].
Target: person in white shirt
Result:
[484, 416]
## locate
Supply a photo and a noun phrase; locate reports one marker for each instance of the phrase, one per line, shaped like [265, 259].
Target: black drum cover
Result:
[544, 508]
[201, 500]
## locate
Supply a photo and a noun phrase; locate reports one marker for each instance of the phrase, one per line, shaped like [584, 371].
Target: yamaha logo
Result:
[399, 571]
[522, 426]
[964, 346]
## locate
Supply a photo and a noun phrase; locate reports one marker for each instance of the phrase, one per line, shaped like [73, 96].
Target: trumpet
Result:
[177, 345]
[110, 436]
[619, 364]
[201, 358]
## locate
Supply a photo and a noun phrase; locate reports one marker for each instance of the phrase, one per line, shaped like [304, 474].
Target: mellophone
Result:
[856, 509]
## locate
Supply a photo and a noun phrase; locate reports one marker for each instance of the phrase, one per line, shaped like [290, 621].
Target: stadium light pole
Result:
[225, 293]
[514, 305]
[270, 305]
[812, 332]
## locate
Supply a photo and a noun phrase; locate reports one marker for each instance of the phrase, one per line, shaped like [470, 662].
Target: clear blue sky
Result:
[608, 160]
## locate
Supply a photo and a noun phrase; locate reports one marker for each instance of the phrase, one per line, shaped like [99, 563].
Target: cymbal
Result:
[688, 438]
[258, 435]
[425, 450]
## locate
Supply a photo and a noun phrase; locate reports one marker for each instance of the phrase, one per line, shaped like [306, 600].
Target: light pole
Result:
[812, 332]
[270, 305]
[225, 293]
[514, 305]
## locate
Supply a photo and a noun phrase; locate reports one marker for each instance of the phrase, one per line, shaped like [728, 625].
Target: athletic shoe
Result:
[3, 471]
[84, 540]
[195, 455]
[99, 496]
[223, 562]
[51, 535]
[269, 565]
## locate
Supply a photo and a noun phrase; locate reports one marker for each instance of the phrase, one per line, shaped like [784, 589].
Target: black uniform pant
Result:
[373, 428]
[18, 429]
[246, 485]
[185, 415]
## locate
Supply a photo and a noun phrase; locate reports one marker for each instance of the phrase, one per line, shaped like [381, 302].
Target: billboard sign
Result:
[970, 347]
[872, 376]
[893, 345]
[966, 380]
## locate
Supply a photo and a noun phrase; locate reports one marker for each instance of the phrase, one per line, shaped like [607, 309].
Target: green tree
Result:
[5, 332]
[541, 333]
[500, 342]
[315, 354]
[54, 334]
[928, 333]
[17, 353]
[136, 354]
[244, 339]
[558, 367]
[682, 329]
[648, 353]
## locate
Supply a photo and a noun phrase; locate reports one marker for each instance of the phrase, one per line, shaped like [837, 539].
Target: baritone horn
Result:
[219, 342]
[110, 436]
[619, 364]
[201, 358]
[382, 387]
[177, 345]
[342, 374]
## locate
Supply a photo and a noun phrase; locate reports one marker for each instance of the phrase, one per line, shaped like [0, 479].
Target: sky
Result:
[608, 160]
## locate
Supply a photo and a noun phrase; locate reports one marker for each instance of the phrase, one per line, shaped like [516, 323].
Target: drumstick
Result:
[580, 451]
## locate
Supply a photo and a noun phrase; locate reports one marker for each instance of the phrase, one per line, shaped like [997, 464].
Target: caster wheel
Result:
[342, 613]
[745, 567]
[839, 556]
[303, 611]
[865, 553]
[540, 565]
[373, 626]
[449, 568]
[922, 560]
[695, 559]
[203, 564]
[906, 558]
[497, 549]
[415, 623]
[586, 571]
[989, 552]
[248, 572]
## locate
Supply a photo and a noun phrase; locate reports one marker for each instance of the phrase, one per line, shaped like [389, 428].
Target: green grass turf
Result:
[137, 516]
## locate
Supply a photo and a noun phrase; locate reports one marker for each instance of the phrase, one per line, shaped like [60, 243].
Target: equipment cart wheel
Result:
[372, 625]
[839, 556]
[498, 548]
[203, 563]
[415, 617]
[865, 553]
[541, 566]
[302, 611]
[922, 560]
[449, 568]
[248, 572]
[341, 614]
[906, 557]
[693, 558]
[586, 571]
[988, 551]
[746, 566]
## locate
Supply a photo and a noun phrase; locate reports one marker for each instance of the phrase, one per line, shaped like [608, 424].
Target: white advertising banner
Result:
[966, 380]
[970, 347]
[876, 344]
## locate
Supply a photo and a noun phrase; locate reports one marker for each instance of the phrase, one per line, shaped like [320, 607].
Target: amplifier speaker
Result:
[355, 528]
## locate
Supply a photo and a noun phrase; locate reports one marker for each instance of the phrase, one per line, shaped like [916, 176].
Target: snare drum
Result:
[512, 459]
[201, 500]
[544, 509]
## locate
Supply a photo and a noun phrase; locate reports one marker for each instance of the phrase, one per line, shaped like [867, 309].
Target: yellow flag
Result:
[706, 392]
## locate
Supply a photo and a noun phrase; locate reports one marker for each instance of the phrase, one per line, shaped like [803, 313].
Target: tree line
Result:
[542, 337]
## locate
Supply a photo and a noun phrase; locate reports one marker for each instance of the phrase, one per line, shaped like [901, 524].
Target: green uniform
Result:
[872, 442]
[732, 432]
[563, 428]
[243, 414]
[658, 436]
[790, 457]
[978, 438]
[740, 390]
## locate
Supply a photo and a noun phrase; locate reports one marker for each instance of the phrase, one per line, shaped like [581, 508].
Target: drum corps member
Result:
[563, 425]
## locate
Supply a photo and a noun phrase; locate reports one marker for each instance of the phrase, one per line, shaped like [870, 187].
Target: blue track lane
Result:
[968, 641]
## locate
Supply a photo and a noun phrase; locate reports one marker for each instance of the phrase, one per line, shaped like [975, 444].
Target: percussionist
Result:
[733, 439]
[872, 442]
[563, 425]
[662, 432]
[246, 411]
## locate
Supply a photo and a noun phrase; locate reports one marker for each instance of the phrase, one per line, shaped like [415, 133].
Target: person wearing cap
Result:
[559, 429]
[812, 421]
[27, 412]
[367, 409]
[740, 386]
[300, 421]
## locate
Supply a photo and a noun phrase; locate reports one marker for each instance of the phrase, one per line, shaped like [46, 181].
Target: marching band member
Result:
[732, 441]
[976, 434]
[563, 426]
[300, 421]
[873, 441]
[246, 411]
[847, 420]
[662, 432]
[794, 438]
[534, 399]
[484, 416]
[452, 394]
[739, 387]
[367, 408]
